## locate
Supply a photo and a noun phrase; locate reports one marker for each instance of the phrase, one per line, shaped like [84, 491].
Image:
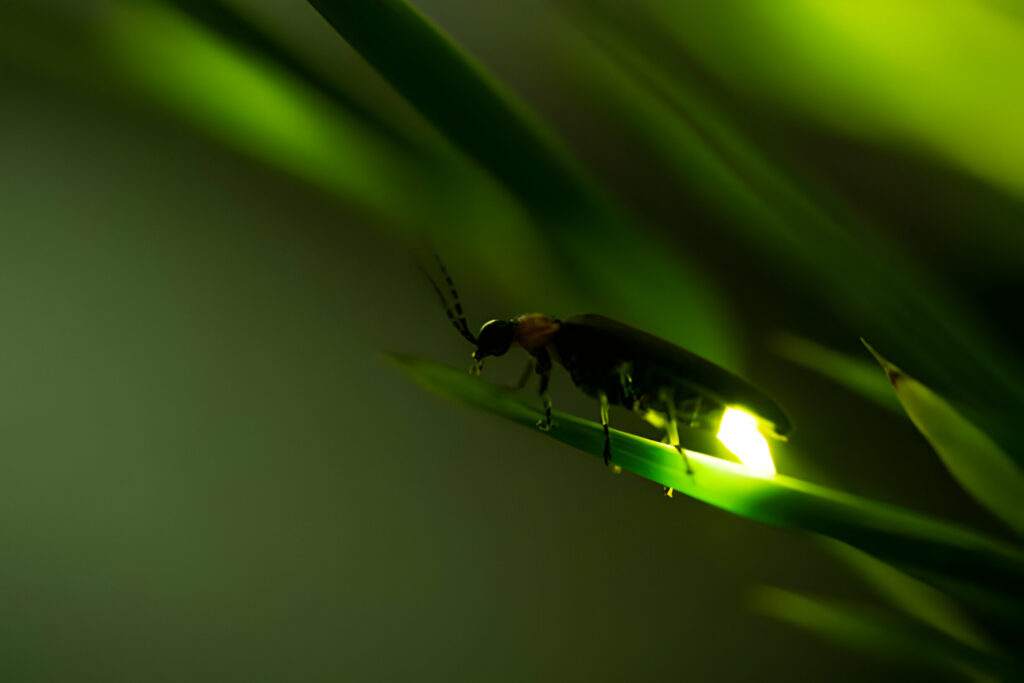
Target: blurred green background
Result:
[208, 215]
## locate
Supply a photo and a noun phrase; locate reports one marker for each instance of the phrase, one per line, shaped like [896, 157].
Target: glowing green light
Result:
[739, 433]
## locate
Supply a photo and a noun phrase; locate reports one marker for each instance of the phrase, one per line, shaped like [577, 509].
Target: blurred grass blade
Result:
[997, 608]
[156, 51]
[220, 16]
[975, 460]
[913, 541]
[464, 102]
[915, 597]
[884, 635]
[858, 375]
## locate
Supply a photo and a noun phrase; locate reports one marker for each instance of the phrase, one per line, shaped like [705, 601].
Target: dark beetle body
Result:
[641, 372]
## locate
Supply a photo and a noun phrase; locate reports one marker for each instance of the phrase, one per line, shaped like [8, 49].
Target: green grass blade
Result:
[229, 22]
[224, 87]
[907, 539]
[915, 597]
[971, 456]
[996, 608]
[463, 101]
[155, 52]
[882, 634]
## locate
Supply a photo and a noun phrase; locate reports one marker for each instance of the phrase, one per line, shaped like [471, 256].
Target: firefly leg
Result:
[673, 430]
[525, 377]
[696, 411]
[604, 423]
[625, 371]
[544, 370]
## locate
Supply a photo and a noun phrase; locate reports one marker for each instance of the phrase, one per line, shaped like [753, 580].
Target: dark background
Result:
[208, 472]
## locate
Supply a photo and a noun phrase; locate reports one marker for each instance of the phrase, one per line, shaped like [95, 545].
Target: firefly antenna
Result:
[457, 305]
[456, 317]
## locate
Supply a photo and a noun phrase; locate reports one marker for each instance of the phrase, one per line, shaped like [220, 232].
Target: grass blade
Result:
[461, 99]
[158, 52]
[914, 542]
[885, 635]
[228, 21]
[913, 596]
[971, 456]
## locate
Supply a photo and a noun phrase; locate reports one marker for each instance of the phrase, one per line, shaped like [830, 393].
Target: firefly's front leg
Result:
[543, 362]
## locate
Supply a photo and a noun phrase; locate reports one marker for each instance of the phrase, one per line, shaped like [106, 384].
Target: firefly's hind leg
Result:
[629, 397]
[543, 362]
[672, 432]
[604, 423]
[694, 421]
[672, 428]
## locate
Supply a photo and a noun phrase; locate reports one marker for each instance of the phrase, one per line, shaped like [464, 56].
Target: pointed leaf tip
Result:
[891, 371]
[975, 460]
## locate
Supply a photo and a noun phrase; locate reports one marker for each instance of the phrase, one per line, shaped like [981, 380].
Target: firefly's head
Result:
[495, 339]
[530, 330]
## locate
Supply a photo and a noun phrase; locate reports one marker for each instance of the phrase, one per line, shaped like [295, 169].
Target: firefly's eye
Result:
[495, 337]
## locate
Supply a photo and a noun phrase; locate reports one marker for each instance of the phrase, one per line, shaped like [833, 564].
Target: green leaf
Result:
[997, 608]
[971, 456]
[913, 596]
[882, 634]
[465, 103]
[156, 51]
[220, 16]
[914, 542]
